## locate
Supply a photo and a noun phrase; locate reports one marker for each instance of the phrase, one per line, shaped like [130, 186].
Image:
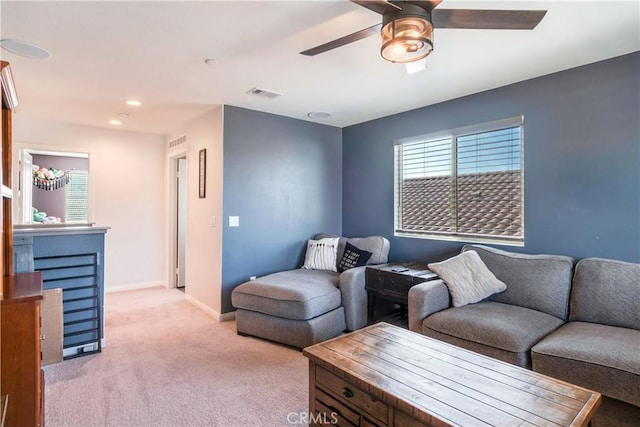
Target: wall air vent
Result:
[178, 141]
[264, 93]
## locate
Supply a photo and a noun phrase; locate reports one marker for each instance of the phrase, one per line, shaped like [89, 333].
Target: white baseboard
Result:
[227, 317]
[132, 286]
[224, 317]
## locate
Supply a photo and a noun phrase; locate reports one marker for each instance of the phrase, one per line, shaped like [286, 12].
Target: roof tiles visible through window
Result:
[488, 204]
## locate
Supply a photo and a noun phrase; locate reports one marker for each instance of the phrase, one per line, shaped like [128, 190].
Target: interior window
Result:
[53, 187]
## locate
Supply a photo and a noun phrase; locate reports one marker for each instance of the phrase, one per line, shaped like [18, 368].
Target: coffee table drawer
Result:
[335, 410]
[349, 394]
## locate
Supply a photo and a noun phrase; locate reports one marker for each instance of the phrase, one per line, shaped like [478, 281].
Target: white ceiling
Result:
[154, 51]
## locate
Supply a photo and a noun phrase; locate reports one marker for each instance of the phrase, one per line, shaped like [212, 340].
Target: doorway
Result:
[181, 223]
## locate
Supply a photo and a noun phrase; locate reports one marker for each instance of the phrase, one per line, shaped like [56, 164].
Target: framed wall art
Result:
[202, 173]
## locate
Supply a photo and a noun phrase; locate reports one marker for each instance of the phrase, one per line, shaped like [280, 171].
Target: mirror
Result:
[52, 187]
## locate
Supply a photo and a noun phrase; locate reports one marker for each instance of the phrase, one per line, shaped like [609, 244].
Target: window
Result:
[462, 184]
[76, 197]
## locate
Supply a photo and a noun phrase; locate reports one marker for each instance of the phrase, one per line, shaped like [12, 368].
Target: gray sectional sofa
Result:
[582, 327]
[599, 347]
[302, 307]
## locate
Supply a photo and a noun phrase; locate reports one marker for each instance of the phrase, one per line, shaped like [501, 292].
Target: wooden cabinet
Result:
[22, 377]
[392, 282]
[9, 102]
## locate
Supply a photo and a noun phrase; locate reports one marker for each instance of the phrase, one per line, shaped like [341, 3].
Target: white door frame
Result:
[173, 216]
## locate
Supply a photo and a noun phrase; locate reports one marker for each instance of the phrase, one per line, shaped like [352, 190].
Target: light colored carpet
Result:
[167, 363]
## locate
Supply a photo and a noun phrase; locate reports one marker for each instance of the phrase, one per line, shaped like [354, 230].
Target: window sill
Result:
[462, 239]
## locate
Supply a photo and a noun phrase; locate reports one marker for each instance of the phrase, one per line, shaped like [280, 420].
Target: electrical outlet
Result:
[252, 278]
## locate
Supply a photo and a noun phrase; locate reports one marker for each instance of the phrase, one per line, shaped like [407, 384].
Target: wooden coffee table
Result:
[385, 375]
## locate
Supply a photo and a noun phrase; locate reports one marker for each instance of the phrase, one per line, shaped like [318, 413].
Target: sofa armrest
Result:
[354, 297]
[425, 299]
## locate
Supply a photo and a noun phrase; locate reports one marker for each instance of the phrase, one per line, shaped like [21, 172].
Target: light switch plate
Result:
[234, 221]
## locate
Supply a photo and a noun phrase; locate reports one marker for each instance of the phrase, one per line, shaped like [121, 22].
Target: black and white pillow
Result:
[353, 257]
[321, 254]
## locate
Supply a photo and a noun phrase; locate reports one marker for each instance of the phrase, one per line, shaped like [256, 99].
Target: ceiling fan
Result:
[407, 26]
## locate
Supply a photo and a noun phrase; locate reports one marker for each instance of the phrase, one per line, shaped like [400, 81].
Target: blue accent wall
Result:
[283, 178]
[581, 156]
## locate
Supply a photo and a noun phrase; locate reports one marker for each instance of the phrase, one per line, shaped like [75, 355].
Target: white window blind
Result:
[77, 197]
[462, 184]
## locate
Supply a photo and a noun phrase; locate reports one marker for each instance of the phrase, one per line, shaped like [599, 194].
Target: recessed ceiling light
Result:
[28, 50]
[318, 115]
[115, 122]
[133, 103]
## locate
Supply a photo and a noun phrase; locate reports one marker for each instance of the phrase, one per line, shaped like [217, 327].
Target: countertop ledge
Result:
[56, 229]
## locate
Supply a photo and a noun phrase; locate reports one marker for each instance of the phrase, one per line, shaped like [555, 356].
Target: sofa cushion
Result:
[538, 282]
[467, 278]
[321, 254]
[294, 294]
[377, 245]
[606, 292]
[502, 326]
[600, 357]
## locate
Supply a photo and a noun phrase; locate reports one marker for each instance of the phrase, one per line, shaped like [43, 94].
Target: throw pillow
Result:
[467, 278]
[321, 254]
[353, 257]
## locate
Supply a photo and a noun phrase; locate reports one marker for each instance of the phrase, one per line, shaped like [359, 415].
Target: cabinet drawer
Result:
[334, 412]
[399, 284]
[374, 279]
[343, 391]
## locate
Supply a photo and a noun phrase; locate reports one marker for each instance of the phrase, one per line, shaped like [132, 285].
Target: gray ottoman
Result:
[295, 307]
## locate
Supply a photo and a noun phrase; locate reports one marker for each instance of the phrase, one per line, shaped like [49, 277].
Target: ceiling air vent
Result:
[263, 93]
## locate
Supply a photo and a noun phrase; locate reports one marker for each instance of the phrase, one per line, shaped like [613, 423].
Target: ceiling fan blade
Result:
[487, 19]
[358, 35]
[378, 6]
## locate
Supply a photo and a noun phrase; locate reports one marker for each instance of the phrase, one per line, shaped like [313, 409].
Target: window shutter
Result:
[76, 197]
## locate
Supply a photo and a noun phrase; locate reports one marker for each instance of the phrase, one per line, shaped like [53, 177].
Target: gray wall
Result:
[582, 162]
[52, 202]
[283, 178]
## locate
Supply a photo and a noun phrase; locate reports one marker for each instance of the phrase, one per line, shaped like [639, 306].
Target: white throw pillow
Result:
[467, 278]
[321, 254]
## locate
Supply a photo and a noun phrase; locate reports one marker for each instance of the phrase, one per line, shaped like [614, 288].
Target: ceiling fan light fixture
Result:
[407, 35]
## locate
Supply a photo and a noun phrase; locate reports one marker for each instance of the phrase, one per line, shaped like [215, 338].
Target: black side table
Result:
[392, 282]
